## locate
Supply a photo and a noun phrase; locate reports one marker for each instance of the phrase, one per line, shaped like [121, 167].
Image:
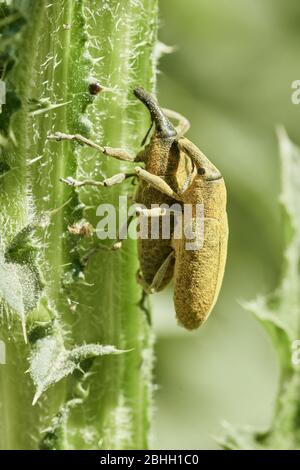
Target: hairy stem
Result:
[59, 50]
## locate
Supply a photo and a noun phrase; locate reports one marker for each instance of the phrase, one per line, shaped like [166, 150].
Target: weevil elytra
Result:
[175, 171]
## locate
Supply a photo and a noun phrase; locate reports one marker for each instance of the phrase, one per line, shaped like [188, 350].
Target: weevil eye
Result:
[95, 88]
[201, 171]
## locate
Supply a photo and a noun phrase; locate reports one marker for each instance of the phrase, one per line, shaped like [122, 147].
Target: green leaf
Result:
[19, 288]
[279, 313]
[52, 51]
[51, 362]
[20, 281]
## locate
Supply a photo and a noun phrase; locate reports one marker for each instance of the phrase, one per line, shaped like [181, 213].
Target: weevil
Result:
[175, 171]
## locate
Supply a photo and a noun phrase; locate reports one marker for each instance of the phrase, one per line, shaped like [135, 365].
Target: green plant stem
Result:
[65, 45]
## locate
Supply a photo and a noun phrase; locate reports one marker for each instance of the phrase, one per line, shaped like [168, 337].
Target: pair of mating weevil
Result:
[176, 171]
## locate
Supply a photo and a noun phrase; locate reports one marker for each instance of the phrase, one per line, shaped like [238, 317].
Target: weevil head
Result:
[164, 128]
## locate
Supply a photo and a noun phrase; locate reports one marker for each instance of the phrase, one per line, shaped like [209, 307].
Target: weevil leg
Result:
[183, 123]
[147, 134]
[202, 163]
[194, 153]
[59, 136]
[154, 212]
[159, 276]
[124, 229]
[157, 182]
[115, 179]
[139, 211]
[85, 259]
[117, 153]
[142, 305]
[117, 244]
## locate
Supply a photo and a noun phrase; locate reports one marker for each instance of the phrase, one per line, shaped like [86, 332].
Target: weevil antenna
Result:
[147, 135]
[163, 126]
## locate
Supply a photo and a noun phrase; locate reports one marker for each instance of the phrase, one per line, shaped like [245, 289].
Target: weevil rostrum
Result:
[175, 171]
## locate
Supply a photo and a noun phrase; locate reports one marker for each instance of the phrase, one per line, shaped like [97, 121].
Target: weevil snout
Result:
[164, 128]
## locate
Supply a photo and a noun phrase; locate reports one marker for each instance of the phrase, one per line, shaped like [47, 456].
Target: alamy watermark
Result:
[2, 94]
[296, 94]
[162, 221]
[296, 352]
[2, 353]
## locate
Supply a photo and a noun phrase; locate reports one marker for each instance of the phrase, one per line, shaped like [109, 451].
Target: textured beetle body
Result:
[176, 171]
[152, 253]
[198, 274]
[161, 158]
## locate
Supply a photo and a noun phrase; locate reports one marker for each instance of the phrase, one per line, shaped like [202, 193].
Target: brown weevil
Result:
[175, 171]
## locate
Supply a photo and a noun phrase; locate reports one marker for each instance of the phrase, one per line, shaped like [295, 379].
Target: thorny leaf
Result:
[51, 362]
[19, 288]
[279, 313]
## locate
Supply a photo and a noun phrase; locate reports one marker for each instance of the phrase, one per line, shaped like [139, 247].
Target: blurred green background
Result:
[231, 75]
